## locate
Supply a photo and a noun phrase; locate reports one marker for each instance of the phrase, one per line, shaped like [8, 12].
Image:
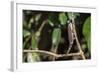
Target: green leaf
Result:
[24, 24]
[87, 32]
[50, 23]
[37, 34]
[30, 22]
[26, 33]
[38, 16]
[72, 15]
[76, 14]
[29, 57]
[34, 42]
[63, 18]
[35, 56]
[56, 36]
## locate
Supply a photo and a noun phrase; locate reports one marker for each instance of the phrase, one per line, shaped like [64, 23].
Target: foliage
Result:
[56, 23]
[63, 18]
[34, 42]
[87, 32]
[72, 15]
[56, 35]
[26, 33]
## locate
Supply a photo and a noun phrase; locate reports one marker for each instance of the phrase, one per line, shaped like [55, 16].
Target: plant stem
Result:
[42, 25]
[54, 50]
[78, 44]
[27, 39]
[51, 53]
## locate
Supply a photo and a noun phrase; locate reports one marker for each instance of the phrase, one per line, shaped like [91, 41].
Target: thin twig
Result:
[54, 50]
[78, 44]
[41, 51]
[71, 54]
[27, 39]
[51, 53]
[42, 25]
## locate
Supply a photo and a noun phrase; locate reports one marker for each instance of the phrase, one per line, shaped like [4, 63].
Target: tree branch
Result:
[77, 41]
[51, 53]
[42, 25]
